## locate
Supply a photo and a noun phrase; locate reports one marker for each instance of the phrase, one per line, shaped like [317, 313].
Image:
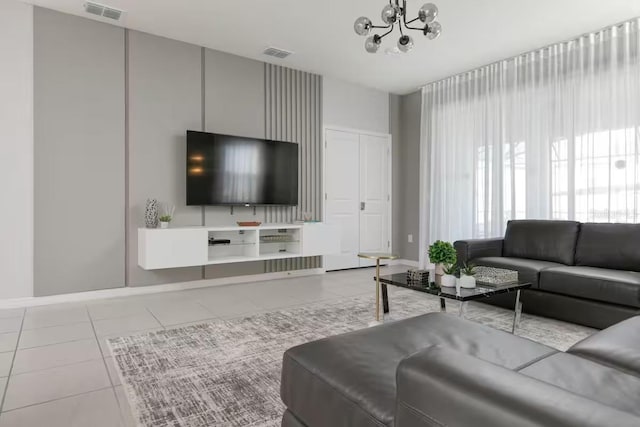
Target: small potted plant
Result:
[441, 253]
[164, 221]
[449, 278]
[167, 215]
[466, 276]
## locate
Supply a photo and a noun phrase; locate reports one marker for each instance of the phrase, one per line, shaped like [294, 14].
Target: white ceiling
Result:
[475, 32]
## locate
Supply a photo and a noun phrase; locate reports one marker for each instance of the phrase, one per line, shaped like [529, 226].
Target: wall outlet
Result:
[410, 238]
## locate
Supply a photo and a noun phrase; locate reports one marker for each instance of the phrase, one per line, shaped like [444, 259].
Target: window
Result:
[596, 178]
[550, 134]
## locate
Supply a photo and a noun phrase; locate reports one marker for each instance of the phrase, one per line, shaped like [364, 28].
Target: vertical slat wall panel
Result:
[293, 113]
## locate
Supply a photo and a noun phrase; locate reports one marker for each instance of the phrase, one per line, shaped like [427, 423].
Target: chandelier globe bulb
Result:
[389, 14]
[372, 44]
[428, 13]
[405, 43]
[434, 30]
[362, 26]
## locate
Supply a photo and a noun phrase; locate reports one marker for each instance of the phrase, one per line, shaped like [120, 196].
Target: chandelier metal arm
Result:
[413, 28]
[387, 33]
[404, 18]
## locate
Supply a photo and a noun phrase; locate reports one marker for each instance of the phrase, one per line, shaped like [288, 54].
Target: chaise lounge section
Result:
[585, 273]
[440, 370]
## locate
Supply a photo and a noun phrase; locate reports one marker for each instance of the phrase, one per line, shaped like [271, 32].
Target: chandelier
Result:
[393, 14]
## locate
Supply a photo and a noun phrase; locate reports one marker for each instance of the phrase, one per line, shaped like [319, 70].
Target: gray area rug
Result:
[227, 373]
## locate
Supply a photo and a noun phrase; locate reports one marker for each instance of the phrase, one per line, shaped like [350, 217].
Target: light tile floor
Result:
[55, 366]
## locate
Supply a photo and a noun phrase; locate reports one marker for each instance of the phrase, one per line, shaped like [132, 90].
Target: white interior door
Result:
[342, 196]
[375, 195]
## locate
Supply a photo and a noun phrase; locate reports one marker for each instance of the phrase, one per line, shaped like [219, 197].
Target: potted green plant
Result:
[449, 278]
[467, 273]
[167, 215]
[164, 221]
[441, 253]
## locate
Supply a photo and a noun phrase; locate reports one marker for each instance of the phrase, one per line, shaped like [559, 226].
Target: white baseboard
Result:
[408, 262]
[152, 289]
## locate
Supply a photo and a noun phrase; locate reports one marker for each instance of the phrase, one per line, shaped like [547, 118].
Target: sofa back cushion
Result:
[614, 246]
[540, 239]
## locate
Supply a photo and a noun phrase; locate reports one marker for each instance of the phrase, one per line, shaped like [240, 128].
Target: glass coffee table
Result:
[464, 295]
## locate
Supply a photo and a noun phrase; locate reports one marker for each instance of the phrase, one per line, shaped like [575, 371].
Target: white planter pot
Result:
[448, 281]
[164, 224]
[467, 281]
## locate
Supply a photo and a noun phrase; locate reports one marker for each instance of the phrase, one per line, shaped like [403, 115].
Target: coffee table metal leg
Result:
[463, 306]
[443, 305]
[385, 298]
[517, 313]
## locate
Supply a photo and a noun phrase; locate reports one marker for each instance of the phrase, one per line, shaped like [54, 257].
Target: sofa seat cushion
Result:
[592, 380]
[528, 269]
[599, 284]
[350, 379]
[539, 239]
[612, 246]
[618, 345]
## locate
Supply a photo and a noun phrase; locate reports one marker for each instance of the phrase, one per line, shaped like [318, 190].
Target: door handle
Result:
[361, 206]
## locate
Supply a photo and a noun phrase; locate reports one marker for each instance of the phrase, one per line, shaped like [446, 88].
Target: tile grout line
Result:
[15, 352]
[30, 328]
[55, 343]
[55, 400]
[213, 315]
[154, 316]
[79, 362]
[104, 362]
[95, 335]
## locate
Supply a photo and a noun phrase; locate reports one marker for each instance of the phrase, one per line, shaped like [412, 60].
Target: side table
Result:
[377, 256]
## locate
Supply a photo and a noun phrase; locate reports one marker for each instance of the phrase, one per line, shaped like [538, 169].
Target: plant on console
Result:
[167, 215]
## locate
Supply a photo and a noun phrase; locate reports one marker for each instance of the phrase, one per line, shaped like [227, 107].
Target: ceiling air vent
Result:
[102, 10]
[278, 53]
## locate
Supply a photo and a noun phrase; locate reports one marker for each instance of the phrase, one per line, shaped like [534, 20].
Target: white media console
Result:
[190, 246]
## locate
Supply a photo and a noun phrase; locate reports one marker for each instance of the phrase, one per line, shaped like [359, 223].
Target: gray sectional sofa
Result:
[441, 370]
[585, 273]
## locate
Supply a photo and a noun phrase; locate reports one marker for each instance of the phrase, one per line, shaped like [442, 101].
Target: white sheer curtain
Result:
[553, 133]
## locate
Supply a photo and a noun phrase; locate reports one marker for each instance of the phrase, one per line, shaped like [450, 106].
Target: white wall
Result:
[349, 105]
[16, 149]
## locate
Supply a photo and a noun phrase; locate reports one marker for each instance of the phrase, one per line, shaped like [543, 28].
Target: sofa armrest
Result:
[617, 346]
[468, 250]
[443, 387]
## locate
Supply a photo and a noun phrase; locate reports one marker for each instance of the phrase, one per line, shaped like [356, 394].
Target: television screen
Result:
[233, 170]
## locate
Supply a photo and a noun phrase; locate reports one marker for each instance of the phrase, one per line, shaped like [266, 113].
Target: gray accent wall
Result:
[112, 107]
[234, 104]
[293, 105]
[234, 94]
[79, 155]
[16, 149]
[164, 99]
[404, 123]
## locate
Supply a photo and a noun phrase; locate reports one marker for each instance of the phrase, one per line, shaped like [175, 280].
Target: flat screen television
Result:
[233, 170]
